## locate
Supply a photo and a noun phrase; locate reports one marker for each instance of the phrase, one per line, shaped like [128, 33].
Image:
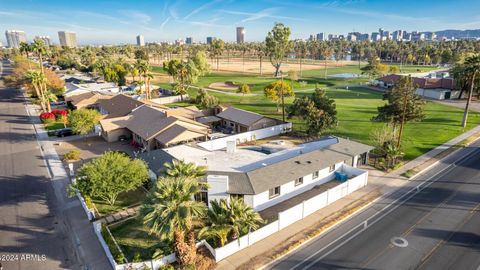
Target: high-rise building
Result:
[140, 40]
[375, 36]
[416, 36]
[386, 35]
[67, 39]
[321, 36]
[189, 40]
[381, 33]
[351, 37]
[240, 34]
[397, 35]
[45, 39]
[209, 40]
[179, 41]
[14, 37]
[430, 36]
[312, 38]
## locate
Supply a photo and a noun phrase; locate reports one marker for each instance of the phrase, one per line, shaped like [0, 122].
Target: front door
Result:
[447, 95]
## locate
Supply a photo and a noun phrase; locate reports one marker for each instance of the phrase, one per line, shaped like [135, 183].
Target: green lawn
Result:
[125, 200]
[53, 126]
[357, 106]
[133, 237]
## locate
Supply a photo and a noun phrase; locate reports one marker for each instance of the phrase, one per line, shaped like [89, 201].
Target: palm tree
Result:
[39, 47]
[179, 168]
[37, 79]
[49, 97]
[25, 48]
[169, 212]
[219, 224]
[229, 220]
[143, 68]
[472, 65]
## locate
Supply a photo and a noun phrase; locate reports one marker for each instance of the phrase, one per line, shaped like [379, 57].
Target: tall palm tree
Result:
[37, 79]
[472, 65]
[39, 47]
[49, 97]
[144, 68]
[180, 168]
[169, 212]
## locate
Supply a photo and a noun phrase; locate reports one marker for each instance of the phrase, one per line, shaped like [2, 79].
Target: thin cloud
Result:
[201, 8]
[164, 23]
[265, 13]
[137, 16]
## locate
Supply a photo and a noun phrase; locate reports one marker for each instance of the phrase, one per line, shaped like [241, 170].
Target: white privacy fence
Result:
[300, 211]
[169, 99]
[248, 136]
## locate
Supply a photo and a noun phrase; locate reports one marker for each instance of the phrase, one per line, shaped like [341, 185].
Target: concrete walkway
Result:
[380, 184]
[90, 252]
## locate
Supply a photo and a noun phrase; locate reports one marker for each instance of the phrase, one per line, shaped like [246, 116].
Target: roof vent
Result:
[309, 162]
[297, 161]
[264, 164]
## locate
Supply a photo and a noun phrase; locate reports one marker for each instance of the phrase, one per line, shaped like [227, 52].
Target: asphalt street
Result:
[434, 227]
[32, 234]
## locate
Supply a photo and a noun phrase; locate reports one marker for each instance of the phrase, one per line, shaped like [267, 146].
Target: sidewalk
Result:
[89, 253]
[379, 184]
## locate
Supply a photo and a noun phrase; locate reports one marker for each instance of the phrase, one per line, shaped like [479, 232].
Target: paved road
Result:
[29, 223]
[434, 228]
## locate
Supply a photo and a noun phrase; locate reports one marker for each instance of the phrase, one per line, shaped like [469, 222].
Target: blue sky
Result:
[106, 22]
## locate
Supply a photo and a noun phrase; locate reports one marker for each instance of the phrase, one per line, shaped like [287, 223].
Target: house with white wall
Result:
[260, 178]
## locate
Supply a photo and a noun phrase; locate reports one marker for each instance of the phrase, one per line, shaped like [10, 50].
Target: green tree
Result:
[182, 169]
[201, 63]
[83, 121]
[374, 68]
[40, 49]
[277, 91]
[37, 79]
[244, 89]
[277, 45]
[205, 100]
[184, 73]
[109, 175]
[318, 110]
[403, 106]
[169, 212]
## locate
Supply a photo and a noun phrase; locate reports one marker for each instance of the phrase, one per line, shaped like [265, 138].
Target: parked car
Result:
[65, 132]
[59, 103]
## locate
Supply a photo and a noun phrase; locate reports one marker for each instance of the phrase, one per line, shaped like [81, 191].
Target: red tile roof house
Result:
[434, 88]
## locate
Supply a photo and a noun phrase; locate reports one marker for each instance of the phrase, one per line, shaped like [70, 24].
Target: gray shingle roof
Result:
[242, 117]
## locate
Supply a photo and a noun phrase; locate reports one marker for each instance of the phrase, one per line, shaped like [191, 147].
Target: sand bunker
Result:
[229, 86]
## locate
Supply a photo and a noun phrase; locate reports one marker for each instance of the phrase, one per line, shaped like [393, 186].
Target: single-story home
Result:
[88, 100]
[237, 120]
[75, 89]
[434, 88]
[151, 128]
[118, 105]
[264, 179]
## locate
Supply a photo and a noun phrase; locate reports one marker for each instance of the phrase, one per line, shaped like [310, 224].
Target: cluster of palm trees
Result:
[171, 213]
[36, 77]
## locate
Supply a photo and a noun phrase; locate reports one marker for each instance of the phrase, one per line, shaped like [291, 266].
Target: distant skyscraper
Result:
[189, 40]
[209, 40]
[45, 39]
[380, 32]
[67, 39]
[312, 38]
[179, 41]
[397, 35]
[140, 40]
[240, 34]
[321, 36]
[14, 37]
[376, 36]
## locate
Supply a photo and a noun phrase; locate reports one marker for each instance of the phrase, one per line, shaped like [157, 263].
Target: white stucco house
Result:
[262, 178]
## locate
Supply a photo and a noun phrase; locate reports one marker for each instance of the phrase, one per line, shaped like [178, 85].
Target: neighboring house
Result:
[88, 100]
[119, 105]
[152, 128]
[262, 179]
[434, 88]
[75, 89]
[237, 121]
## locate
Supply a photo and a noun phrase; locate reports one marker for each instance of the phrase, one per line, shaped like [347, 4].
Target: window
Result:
[202, 196]
[298, 181]
[331, 168]
[273, 192]
[315, 174]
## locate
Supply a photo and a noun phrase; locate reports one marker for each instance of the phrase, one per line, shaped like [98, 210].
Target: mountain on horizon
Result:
[449, 33]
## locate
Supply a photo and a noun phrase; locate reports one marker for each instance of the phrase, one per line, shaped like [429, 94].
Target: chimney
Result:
[231, 146]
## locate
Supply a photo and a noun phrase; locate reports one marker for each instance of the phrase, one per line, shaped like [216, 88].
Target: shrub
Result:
[59, 114]
[167, 267]
[137, 257]
[73, 154]
[47, 117]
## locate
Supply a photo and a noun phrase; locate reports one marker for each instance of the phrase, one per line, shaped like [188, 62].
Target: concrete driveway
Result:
[460, 103]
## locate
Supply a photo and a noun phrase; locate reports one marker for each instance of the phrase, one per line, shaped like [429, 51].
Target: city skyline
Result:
[171, 20]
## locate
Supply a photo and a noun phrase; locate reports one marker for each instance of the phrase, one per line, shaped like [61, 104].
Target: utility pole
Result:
[403, 119]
